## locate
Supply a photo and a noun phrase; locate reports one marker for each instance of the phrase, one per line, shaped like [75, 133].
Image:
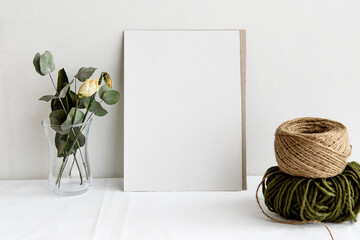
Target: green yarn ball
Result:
[334, 199]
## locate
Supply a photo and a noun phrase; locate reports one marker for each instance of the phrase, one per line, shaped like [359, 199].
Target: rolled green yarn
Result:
[334, 199]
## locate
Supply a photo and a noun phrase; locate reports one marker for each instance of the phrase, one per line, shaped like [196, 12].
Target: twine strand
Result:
[292, 222]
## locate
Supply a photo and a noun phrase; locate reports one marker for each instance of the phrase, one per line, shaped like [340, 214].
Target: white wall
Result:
[303, 59]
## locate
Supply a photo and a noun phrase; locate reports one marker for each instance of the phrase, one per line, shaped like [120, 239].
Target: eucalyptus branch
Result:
[76, 108]
[57, 93]
[63, 164]
[76, 97]
[87, 109]
[77, 164]
[72, 165]
[75, 159]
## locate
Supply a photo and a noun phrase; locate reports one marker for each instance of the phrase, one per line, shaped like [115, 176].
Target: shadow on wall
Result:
[117, 141]
[122, 105]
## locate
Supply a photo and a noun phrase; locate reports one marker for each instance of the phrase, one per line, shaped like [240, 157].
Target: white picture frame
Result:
[184, 110]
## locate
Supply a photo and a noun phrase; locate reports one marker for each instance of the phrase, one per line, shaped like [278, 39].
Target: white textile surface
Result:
[29, 211]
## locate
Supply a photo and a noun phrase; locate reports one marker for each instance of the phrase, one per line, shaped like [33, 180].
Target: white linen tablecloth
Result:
[28, 210]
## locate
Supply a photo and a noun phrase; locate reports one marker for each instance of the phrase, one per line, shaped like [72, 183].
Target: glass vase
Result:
[69, 172]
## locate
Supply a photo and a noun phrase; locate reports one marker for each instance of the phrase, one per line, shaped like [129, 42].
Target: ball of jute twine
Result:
[312, 147]
[312, 200]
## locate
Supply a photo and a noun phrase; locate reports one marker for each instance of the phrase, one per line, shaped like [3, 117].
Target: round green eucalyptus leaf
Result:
[105, 88]
[72, 118]
[111, 97]
[65, 89]
[97, 109]
[47, 98]
[46, 63]
[36, 63]
[57, 117]
[85, 73]
[60, 143]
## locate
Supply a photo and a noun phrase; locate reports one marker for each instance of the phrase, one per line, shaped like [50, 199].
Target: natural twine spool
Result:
[312, 147]
[308, 200]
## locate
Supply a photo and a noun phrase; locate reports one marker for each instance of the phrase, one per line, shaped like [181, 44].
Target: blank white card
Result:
[182, 110]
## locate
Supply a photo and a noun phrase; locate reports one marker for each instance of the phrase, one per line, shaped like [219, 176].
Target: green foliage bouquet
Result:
[72, 109]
